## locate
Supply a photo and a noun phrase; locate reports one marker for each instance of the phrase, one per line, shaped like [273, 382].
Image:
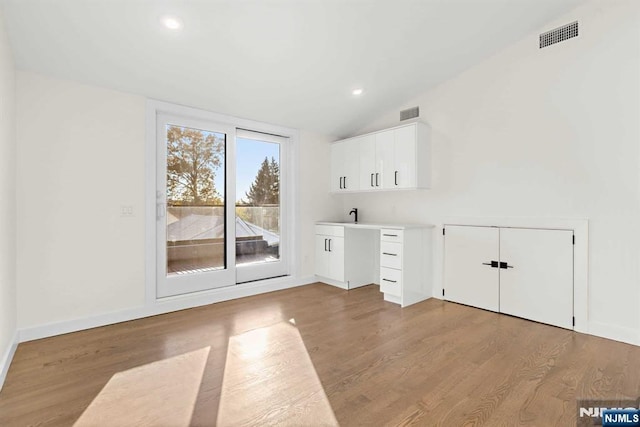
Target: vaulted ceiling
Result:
[287, 62]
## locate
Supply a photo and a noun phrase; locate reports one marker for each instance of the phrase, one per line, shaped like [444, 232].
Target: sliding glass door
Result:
[261, 206]
[221, 205]
[194, 223]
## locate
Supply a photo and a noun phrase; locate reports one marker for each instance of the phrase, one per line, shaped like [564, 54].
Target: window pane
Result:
[258, 204]
[195, 200]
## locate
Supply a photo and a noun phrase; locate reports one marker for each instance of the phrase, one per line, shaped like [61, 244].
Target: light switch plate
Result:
[126, 211]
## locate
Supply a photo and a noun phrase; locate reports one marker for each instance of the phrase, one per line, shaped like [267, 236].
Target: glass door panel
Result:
[195, 249]
[260, 238]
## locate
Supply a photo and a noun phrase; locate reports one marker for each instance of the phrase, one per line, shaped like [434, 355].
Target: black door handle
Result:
[505, 265]
[391, 281]
[387, 253]
[492, 264]
[396, 177]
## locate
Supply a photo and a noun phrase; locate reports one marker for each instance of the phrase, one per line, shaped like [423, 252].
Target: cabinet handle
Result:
[390, 235]
[329, 245]
[345, 182]
[492, 264]
[396, 177]
[325, 244]
[391, 281]
[341, 183]
[372, 180]
[377, 179]
[387, 253]
[505, 265]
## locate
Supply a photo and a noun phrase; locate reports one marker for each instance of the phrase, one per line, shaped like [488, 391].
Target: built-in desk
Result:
[395, 256]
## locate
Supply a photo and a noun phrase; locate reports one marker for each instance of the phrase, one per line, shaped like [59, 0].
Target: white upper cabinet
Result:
[396, 158]
[344, 171]
[405, 152]
[367, 160]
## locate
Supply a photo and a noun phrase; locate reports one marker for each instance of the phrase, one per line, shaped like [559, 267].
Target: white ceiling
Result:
[287, 62]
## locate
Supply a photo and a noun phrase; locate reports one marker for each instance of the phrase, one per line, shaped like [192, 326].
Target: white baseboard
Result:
[164, 305]
[336, 283]
[614, 332]
[7, 357]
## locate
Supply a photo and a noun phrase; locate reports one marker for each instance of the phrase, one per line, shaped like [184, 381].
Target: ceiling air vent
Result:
[409, 113]
[558, 35]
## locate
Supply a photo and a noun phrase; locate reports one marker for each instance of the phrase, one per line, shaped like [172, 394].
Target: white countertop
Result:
[375, 225]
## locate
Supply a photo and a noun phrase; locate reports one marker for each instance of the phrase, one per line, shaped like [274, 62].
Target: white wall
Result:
[315, 203]
[80, 158]
[544, 133]
[8, 200]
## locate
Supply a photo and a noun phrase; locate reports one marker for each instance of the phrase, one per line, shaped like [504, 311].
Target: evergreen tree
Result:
[265, 189]
[274, 168]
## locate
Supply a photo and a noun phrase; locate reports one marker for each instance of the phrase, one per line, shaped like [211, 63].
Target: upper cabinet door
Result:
[469, 277]
[404, 173]
[338, 151]
[351, 165]
[538, 281]
[384, 159]
[367, 157]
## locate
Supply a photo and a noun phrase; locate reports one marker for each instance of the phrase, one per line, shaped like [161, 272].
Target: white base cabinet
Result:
[341, 256]
[523, 272]
[330, 253]
[405, 265]
[398, 258]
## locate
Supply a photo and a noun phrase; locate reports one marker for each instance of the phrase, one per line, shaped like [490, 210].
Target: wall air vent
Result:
[559, 34]
[409, 113]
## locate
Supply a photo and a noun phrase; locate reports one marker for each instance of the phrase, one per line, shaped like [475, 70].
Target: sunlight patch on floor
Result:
[159, 393]
[269, 379]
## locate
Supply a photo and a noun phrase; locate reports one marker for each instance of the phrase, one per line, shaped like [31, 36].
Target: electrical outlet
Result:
[126, 211]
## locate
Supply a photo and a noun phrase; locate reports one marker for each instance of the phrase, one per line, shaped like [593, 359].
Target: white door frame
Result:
[194, 282]
[153, 108]
[252, 272]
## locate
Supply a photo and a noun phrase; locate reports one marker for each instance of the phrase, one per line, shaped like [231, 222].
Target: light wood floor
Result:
[316, 355]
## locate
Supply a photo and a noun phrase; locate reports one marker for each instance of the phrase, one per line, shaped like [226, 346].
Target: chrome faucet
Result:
[354, 211]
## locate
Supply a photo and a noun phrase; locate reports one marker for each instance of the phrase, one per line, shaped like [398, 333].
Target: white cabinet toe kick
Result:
[395, 256]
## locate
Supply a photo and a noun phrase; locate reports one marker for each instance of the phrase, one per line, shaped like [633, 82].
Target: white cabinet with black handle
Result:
[330, 252]
[395, 256]
[523, 272]
[405, 260]
[391, 159]
[342, 256]
[345, 166]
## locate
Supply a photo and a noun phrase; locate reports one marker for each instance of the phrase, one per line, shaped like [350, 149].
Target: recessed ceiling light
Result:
[172, 23]
[357, 91]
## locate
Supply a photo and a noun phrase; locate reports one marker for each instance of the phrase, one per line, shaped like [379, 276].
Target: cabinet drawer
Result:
[389, 235]
[391, 255]
[391, 281]
[330, 230]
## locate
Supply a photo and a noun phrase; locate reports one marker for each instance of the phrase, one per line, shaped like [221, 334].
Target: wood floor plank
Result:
[316, 355]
